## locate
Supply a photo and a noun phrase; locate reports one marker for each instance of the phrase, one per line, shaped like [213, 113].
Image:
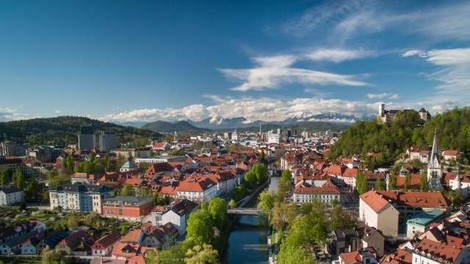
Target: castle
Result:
[388, 115]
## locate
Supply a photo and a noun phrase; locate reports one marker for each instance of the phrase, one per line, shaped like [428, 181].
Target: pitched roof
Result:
[7, 189]
[439, 250]
[375, 201]
[107, 240]
[417, 199]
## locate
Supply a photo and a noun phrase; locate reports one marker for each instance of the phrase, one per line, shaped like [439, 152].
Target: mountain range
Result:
[328, 121]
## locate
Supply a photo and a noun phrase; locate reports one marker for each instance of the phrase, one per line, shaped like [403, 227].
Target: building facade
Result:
[79, 197]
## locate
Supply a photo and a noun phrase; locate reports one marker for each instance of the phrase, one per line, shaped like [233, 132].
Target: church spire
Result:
[434, 167]
[434, 144]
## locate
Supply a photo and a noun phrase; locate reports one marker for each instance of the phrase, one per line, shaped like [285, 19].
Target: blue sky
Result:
[270, 60]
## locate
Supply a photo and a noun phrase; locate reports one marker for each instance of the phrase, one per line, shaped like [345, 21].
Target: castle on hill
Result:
[388, 115]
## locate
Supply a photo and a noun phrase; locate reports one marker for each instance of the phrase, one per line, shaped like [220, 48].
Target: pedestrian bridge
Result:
[244, 211]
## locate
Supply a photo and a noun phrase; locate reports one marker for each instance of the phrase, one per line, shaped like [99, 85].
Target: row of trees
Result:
[380, 185]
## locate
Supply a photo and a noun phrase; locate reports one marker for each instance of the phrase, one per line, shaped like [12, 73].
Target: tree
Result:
[200, 227]
[407, 181]
[361, 183]
[339, 219]
[393, 182]
[284, 184]
[266, 202]
[261, 173]
[72, 223]
[4, 177]
[127, 190]
[18, 179]
[250, 179]
[217, 209]
[50, 257]
[232, 204]
[423, 183]
[379, 185]
[204, 254]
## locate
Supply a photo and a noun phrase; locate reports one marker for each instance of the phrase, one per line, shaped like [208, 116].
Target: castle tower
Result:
[434, 167]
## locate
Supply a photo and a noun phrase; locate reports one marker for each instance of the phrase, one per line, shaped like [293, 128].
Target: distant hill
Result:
[169, 127]
[63, 130]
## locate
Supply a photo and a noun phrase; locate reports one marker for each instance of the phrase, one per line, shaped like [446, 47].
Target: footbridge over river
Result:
[244, 211]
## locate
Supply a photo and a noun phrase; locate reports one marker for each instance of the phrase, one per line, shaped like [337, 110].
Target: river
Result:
[247, 240]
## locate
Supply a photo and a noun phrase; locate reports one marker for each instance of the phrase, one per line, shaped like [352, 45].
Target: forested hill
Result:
[407, 129]
[64, 129]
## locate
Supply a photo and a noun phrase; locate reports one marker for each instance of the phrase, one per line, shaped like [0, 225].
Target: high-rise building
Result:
[107, 141]
[86, 139]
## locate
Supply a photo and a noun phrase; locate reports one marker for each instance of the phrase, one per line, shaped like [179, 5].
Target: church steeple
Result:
[434, 167]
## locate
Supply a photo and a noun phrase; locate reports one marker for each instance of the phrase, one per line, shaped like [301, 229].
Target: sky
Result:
[127, 61]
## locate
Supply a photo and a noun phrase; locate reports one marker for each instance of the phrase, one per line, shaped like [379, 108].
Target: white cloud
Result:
[452, 76]
[410, 53]
[265, 108]
[383, 95]
[338, 55]
[9, 114]
[272, 72]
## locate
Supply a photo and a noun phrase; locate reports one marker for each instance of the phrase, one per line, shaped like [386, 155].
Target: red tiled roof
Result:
[439, 250]
[374, 200]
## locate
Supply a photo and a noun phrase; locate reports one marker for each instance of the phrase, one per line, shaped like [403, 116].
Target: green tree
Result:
[72, 223]
[50, 257]
[340, 219]
[393, 181]
[284, 184]
[200, 228]
[361, 183]
[266, 202]
[4, 177]
[379, 185]
[250, 179]
[232, 204]
[127, 190]
[18, 179]
[423, 183]
[407, 181]
[217, 209]
[204, 254]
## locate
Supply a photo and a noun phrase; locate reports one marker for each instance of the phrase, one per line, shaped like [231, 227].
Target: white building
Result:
[377, 212]
[274, 138]
[461, 183]
[199, 189]
[10, 195]
[325, 194]
[79, 197]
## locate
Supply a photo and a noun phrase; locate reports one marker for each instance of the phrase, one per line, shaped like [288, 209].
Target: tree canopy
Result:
[389, 140]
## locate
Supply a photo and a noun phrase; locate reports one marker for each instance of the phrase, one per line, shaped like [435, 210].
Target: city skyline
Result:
[124, 61]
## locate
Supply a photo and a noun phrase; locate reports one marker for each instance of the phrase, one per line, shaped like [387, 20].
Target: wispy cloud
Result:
[338, 55]
[273, 71]
[354, 19]
[383, 95]
[452, 74]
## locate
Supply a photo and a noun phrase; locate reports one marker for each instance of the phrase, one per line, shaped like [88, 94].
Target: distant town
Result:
[182, 195]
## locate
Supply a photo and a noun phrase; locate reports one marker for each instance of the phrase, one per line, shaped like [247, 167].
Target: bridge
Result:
[244, 211]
